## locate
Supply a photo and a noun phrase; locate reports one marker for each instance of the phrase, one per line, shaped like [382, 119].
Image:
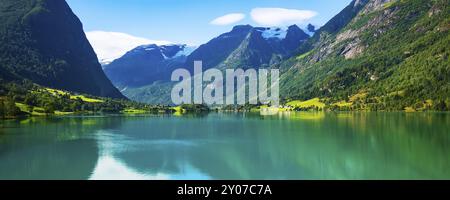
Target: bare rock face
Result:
[352, 44]
[436, 9]
[357, 3]
[375, 5]
[347, 42]
[381, 22]
[352, 50]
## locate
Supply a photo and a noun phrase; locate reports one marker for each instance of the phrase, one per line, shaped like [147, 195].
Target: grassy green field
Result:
[343, 104]
[306, 104]
[74, 97]
[38, 111]
[134, 111]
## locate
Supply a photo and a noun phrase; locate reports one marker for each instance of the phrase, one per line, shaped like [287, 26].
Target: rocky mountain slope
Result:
[376, 55]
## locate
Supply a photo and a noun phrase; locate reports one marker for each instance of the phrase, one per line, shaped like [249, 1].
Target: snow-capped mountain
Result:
[145, 71]
[249, 47]
[274, 33]
[166, 51]
[185, 51]
[146, 64]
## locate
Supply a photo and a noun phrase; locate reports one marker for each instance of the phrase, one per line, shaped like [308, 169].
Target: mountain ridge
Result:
[147, 64]
[244, 46]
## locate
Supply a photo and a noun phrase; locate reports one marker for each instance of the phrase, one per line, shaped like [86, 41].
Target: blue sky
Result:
[184, 21]
[114, 27]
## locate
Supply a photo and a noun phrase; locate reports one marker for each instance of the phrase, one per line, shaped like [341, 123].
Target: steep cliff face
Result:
[43, 41]
[393, 52]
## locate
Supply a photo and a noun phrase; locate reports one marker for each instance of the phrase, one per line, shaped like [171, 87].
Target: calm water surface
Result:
[229, 146]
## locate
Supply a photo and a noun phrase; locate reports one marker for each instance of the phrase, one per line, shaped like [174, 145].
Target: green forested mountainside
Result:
[156, 93]
[373, 55]
[392, 55]
[29, 99]
[43, 41]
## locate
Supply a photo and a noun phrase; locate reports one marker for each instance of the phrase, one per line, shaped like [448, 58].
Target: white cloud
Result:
[280, 16]
[109, 168]
[228, 19]
[112, 45]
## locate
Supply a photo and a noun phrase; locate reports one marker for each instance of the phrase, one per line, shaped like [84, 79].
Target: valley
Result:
[346, 90]
[375, 55]
[372, 56]
[31, 100]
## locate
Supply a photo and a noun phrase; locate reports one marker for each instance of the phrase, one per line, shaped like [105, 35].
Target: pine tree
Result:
[11, 110]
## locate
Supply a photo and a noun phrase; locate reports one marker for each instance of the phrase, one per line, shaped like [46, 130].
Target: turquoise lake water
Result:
[228, 146]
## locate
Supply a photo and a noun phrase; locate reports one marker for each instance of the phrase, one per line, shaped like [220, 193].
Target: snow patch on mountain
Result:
[164, 55]
[167, 50]
[309, 32]
[274, 32]
[187, 50]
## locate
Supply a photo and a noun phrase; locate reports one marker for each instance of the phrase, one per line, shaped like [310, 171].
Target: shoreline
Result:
[175, 114]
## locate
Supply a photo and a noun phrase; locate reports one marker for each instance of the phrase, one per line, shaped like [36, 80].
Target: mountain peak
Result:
[343, 18]
[295, 30]
[246, 27]
[311, 28]
[294, 26]
[294, 38]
